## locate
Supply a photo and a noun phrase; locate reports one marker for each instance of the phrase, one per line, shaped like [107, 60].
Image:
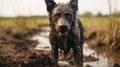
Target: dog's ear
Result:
[74, 4]
[50, 5]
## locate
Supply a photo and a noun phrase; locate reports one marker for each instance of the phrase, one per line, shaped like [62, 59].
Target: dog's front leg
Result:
[54, 52]
[78, 55]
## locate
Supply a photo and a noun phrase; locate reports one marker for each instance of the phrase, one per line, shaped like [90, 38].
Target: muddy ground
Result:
[19, 51]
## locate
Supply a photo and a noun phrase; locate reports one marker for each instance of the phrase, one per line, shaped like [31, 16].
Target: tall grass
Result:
[26, 24]
[22, 25]
[105, 32]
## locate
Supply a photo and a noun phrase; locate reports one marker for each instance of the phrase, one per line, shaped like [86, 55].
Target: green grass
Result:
[22, 25]
[26, 24]
[30, 21]
[44, 20]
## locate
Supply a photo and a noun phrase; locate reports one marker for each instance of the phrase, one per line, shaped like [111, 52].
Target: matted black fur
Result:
[66, 31]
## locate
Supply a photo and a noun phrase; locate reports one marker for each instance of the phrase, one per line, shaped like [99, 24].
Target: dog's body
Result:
[66, 31]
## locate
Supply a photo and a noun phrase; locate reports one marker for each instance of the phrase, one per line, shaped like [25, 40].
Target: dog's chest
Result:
[65, 43]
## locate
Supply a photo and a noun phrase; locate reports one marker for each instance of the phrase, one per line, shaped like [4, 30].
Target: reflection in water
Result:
[102, 62]
[63, 63]
[112, 57]
[102, 54]
[43, 42]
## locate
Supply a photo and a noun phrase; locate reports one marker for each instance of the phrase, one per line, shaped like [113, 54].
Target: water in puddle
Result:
[44, 44]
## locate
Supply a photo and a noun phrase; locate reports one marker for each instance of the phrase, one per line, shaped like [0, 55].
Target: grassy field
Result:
[32, 22]
[103, 31]
[23, 25]
[44, 20]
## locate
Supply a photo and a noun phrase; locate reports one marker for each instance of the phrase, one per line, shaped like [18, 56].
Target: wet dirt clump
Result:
[90, 59]
[19, 51]
[116, 65]
[26, 60]
[88, 66]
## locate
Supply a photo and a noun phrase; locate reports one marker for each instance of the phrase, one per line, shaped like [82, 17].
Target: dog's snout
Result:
[63, 29]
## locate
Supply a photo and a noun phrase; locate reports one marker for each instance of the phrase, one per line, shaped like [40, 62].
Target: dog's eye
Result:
[58, 15]
[68, 15]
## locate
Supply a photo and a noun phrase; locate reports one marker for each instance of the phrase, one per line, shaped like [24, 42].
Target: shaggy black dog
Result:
[66, 31]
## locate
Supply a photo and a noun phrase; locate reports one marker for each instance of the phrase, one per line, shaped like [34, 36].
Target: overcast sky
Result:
[37, 7]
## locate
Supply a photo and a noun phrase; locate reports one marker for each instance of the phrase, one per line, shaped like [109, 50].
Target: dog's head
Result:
[62, 16]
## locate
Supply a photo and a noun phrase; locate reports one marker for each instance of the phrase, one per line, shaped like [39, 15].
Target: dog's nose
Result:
[63, 29]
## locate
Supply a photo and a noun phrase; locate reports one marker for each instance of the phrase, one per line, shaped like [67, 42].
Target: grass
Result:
[22, 25]
[102, 31]
[99, 25]
[33, 22]
[28, 23]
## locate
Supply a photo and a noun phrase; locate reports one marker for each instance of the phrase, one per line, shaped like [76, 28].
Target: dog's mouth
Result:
[62, 34]
[62, 30]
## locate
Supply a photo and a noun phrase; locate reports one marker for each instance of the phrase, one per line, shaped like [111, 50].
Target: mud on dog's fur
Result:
[66, 31]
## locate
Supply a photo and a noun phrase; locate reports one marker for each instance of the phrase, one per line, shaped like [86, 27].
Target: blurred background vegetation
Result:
[104, 29]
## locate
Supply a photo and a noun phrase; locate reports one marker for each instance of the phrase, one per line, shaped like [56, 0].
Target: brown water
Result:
[98, 53]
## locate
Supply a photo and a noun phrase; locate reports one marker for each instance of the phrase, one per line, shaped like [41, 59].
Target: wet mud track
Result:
[93, 56]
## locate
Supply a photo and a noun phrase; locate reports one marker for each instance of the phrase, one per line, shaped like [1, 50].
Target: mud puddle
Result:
[97, 61]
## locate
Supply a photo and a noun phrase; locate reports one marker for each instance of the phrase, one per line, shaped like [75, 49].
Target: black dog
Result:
[66, 31]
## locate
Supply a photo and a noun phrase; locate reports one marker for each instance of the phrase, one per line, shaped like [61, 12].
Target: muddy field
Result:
[19, 51]
[34, 51]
